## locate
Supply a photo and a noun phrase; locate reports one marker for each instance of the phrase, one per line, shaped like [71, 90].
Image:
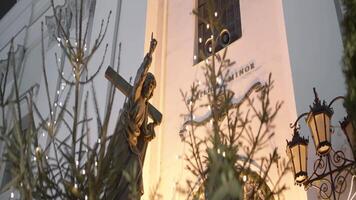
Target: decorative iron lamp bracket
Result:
[329, 175]
[331, 169]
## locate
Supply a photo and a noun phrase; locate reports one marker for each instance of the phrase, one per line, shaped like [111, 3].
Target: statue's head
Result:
[148, 86]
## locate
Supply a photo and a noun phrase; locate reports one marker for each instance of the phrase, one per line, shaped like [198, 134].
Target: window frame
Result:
[204, 34]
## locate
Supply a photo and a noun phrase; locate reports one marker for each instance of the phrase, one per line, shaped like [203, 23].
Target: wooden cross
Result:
[121, 84]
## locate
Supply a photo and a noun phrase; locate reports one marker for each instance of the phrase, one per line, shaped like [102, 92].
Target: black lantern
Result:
[318, 121]
[297, 150]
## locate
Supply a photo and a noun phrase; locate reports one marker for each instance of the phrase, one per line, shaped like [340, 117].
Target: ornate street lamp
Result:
[318, 121]
[297, 150]
[332, 168]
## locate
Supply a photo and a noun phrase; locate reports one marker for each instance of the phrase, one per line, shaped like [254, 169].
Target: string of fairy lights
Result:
[58, 103]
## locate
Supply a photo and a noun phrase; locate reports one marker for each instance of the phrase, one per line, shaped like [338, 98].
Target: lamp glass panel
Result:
[323, 130]
[312, 127]
[290, 156]
[327, 126]
[319, 118]
[303, 157]
[296, 158]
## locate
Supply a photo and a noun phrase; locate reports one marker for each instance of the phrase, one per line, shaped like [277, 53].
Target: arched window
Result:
[227, 14]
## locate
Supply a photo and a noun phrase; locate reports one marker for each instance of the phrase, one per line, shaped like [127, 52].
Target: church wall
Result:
[263, 42]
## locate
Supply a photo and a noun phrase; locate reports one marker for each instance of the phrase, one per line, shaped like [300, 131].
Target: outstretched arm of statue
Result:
[142, 71]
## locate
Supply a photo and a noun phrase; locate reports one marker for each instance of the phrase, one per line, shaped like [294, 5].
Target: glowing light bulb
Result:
[216, 14]
[38, 149]
[12, 195]
[194, 57]
[200, 40]
[244, 178]
[207, 26]
[218, 80]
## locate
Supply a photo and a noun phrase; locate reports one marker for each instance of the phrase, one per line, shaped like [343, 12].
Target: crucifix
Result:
[127, 147]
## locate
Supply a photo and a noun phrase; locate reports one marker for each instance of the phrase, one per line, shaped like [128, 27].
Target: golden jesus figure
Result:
[127, 147]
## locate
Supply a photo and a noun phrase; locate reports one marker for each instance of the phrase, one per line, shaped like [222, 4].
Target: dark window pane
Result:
[227, 13]
[5, 6]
